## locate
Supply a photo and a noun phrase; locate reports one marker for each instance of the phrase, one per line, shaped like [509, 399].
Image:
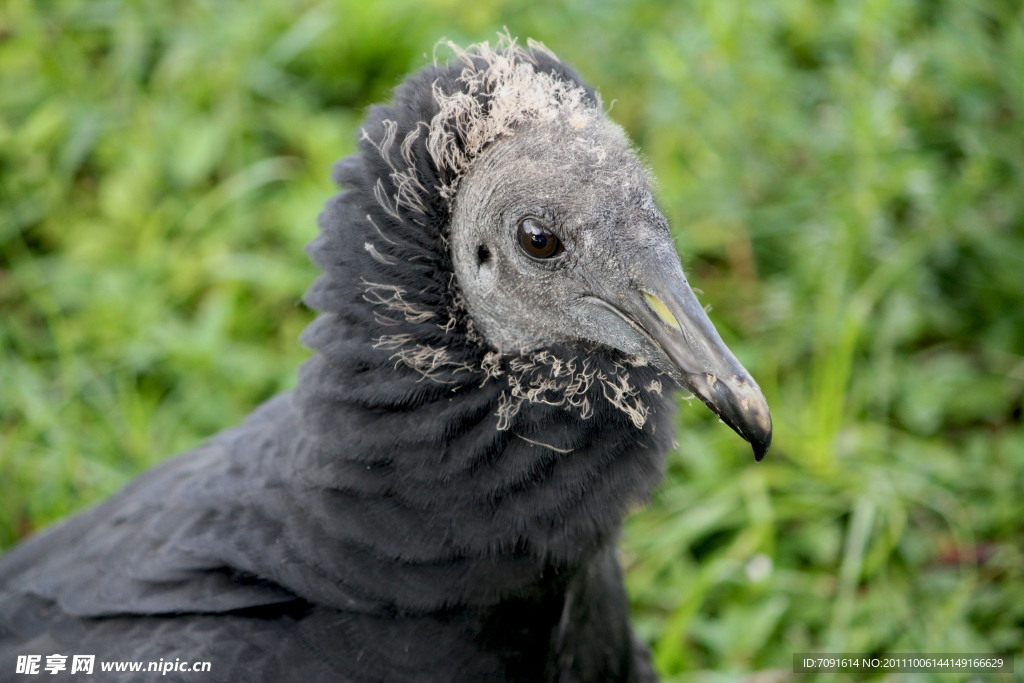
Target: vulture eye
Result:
[537, 241]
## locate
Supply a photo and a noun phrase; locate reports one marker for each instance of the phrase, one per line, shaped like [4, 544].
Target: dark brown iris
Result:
[537, 241]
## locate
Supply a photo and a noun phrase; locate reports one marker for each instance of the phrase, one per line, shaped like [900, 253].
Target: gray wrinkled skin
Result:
[595, 195]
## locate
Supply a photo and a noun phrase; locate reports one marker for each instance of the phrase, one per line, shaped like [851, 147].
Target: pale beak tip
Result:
[738, 401]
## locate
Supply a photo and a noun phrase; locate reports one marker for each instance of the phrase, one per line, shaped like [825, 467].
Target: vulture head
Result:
[515, 278]
[556, 237]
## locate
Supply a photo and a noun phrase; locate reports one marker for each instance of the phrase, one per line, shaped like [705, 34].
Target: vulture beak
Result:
[665, 310]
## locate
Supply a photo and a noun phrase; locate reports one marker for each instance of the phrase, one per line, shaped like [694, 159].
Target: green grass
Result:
[846, 182]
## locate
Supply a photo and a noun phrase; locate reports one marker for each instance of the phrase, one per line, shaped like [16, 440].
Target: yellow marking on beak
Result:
[659, 307]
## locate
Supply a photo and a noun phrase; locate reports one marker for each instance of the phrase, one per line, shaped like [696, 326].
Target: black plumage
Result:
[427, 504]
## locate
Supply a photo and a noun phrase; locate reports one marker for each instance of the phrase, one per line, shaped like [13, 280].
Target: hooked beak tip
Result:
[738, 401]
[761, 446]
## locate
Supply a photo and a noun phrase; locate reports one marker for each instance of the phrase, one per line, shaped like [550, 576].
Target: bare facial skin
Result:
[616, 279]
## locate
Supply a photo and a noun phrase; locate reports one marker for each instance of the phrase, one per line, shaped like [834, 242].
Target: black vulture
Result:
[503, 321]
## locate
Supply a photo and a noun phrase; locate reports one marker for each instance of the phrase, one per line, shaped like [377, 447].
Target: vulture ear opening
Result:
[483, 255]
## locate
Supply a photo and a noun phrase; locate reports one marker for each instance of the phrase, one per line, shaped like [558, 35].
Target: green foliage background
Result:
[845, 183]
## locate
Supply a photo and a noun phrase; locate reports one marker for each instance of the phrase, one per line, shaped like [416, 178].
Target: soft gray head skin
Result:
[618, 281]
